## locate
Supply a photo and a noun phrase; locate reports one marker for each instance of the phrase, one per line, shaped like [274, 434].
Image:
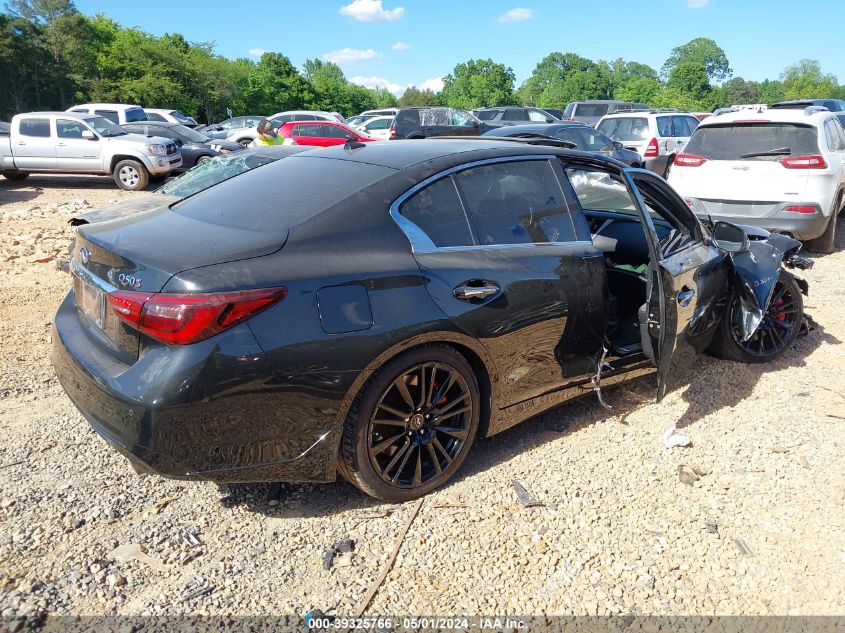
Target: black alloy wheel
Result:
[422, 414]
[777, 332]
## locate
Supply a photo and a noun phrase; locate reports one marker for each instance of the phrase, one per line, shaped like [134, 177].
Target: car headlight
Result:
[156, 150]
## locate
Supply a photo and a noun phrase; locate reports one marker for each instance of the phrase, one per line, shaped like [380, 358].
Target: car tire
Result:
[131, 175]
[776, 334]
[408, 451]
[244, 141]
[824, 244]
[15, 175]
[203, 159]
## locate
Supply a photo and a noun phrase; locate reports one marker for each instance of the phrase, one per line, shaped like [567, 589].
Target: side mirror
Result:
[730, 238]
[618, 145]
[88, 135]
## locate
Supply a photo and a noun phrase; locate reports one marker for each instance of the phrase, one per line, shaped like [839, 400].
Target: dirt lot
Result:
[761, 532]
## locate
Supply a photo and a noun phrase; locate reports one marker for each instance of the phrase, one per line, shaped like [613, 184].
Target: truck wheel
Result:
[131, 175]
[15, 175]
[203, 159]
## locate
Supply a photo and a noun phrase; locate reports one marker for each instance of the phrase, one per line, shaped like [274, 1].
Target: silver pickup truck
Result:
[76, 143]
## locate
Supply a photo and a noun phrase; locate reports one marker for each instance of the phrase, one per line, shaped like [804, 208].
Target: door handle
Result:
[21, 142]
[468, 293]
[685, 297]
[61, 144]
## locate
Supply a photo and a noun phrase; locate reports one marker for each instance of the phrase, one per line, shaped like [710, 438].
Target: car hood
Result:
[140, 138]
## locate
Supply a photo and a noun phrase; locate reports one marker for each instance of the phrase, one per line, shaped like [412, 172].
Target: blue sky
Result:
[400, 42]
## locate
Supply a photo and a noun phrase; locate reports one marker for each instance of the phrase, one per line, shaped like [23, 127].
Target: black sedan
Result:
[372, 309]
[581, 135]
[196, 147]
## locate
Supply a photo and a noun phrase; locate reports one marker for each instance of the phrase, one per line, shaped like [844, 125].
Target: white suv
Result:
[656, 134]
[780, 170]
[117, 113]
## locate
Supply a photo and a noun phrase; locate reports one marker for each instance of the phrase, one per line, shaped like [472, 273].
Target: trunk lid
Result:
[141, 253]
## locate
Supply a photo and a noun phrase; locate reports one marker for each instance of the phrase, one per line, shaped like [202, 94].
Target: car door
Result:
[308, 134]
[463, 123]
[74, 152]
[34, 146]
[332, 135]
[688, 282]
[507, 263]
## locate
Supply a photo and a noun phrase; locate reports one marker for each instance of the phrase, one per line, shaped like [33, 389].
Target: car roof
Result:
[70, 115]
[323, 112]
[407, 153]
[510, 130]
[784, 115]
[159, 123]
[165, 110]
[106, 105]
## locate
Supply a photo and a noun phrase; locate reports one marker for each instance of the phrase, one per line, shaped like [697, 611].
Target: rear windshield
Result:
[625, 128]
[135, 114]
[737, 141]
[282, 194]
[590, 109]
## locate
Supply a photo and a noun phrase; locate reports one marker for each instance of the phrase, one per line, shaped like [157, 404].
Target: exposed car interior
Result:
[616, 230]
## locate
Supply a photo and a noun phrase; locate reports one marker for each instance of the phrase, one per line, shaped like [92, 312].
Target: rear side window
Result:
[625, 128]
[591, 109]
[664, 126]
[152, 116]
[515, 115]
[518, 202]
[35, 127]
[111, 115]
[331, 131]
[300, 188]
[135, 114]
[307, 117]
[487, 115]
[438, 212]
[586, 139]
[738, 141]
[683, 125]
[308, 130]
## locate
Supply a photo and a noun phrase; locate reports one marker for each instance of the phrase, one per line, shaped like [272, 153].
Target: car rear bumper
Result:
[200, 412]
[802, 226]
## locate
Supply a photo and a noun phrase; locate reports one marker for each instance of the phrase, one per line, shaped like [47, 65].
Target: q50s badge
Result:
[129, 280]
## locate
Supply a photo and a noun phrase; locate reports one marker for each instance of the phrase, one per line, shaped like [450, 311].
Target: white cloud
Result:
[435, 84]
[256, 52]
[371, 11]
[400, 46]
[378, 82]
[697, 4]
[350, 56]
[520, 14]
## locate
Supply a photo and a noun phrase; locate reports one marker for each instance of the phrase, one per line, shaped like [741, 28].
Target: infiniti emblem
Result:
[84, 255]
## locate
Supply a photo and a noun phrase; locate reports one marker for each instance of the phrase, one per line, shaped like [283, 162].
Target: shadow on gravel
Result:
[11, 196]
[320, 500]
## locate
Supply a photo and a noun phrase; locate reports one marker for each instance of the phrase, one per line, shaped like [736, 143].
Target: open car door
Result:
[686, 279]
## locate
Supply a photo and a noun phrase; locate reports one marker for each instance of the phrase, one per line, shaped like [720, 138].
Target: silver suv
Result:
[658, 135]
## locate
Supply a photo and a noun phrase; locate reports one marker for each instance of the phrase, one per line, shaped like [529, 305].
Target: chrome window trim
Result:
[421, 242]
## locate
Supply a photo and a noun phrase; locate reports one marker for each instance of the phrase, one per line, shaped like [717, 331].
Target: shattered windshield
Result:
[447, 117]
[213, 172]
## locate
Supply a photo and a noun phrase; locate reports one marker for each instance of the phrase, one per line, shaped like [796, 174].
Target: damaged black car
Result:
[372, 310]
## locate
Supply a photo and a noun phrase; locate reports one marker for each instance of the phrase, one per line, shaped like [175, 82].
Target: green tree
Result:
[62, 32]
[478, 83]
[384, 98]
[622, 73]
[704, 51]
[642, 90]
[770, 91]
[275, 85]
[553, 69]
[805, 80]
[738, 90]
[413, 96]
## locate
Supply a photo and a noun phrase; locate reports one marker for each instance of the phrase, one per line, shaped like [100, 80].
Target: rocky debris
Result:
[618, 534]
[339, 554]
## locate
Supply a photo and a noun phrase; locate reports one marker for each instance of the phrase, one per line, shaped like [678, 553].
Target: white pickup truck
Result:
[76, 143]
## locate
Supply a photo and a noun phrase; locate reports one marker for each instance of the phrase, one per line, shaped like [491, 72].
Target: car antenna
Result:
[353, 143]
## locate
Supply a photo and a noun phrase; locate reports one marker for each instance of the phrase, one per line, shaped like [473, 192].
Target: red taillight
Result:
[651, 150]
[800, 208]
[181, 319]
[814, 161]
[690, 160]
[393, 132]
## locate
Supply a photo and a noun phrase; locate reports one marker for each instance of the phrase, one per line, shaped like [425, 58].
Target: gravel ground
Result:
[761, 530]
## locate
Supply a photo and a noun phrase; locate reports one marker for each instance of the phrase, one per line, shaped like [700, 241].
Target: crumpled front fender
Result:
[757, 271]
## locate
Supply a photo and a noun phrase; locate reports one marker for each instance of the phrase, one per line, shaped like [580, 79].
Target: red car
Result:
[320, 133]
